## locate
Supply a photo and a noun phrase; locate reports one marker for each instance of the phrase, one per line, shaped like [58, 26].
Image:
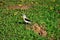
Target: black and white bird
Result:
[26, 20]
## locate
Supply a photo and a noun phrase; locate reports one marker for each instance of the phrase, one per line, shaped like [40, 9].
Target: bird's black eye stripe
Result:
[27, 19]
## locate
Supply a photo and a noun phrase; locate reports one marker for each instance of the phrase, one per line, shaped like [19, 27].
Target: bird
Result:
[26, 20]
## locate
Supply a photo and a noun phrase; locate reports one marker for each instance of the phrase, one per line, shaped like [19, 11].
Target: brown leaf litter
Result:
[22, 7]
[38, 29]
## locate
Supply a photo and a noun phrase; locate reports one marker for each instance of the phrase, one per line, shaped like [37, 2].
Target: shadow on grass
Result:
[21, 23]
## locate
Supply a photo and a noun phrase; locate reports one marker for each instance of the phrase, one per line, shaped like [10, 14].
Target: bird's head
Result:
[24, 16]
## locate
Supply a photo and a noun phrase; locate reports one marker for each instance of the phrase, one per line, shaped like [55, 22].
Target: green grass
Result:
[42, 12]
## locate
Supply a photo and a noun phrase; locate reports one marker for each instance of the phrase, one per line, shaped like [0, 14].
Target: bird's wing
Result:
[27, 19]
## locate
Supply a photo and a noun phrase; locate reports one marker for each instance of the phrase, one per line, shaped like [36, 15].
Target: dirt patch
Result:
[22, 7]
